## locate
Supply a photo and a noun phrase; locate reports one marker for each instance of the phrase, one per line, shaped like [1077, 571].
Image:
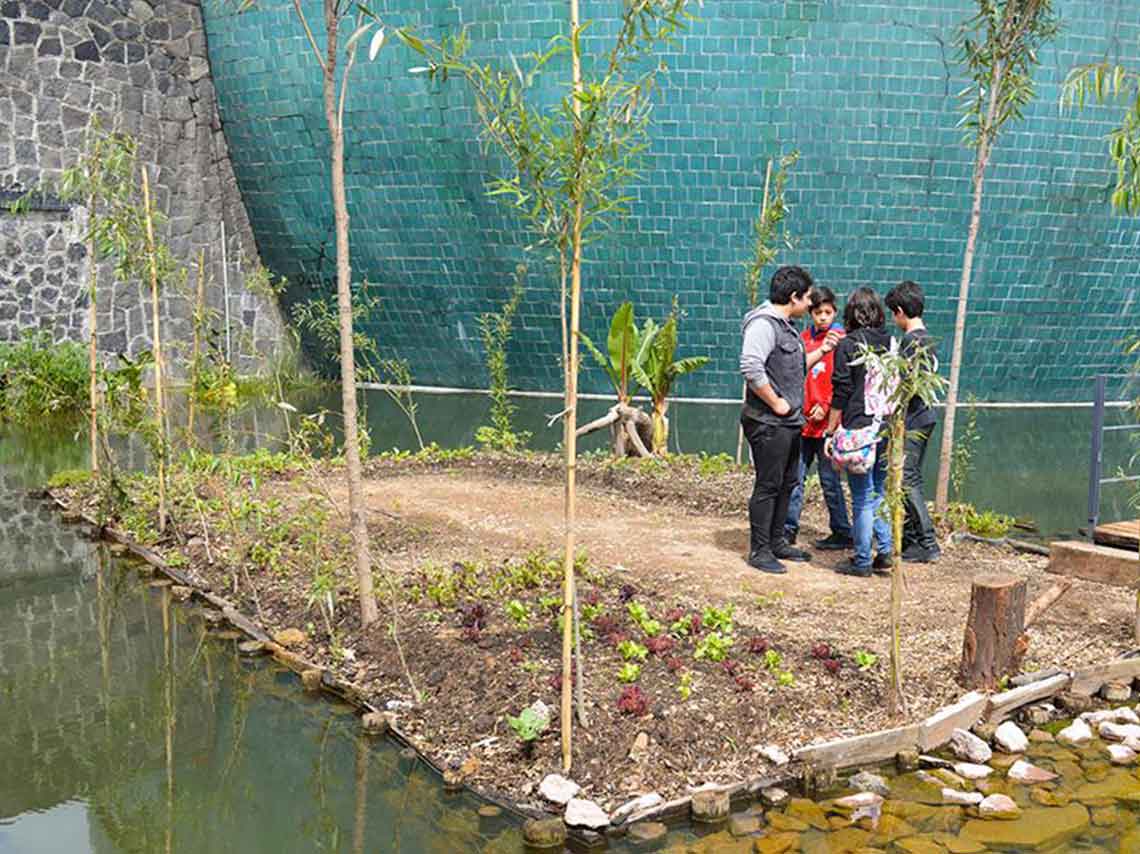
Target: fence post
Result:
[1097, 449]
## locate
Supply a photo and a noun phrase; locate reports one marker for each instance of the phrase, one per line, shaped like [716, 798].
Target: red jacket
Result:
[817, 389]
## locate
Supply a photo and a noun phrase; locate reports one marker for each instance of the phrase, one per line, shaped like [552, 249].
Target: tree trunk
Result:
[93, 342]
[994, 641]
[362, 558]
[571, 403]
[946, 452]
[661, 428]
[896, 700]
[160, 409]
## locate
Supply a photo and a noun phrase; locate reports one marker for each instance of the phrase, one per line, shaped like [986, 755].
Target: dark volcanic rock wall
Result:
[142, 66]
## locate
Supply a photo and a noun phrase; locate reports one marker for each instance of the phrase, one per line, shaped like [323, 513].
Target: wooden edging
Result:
[861, 750]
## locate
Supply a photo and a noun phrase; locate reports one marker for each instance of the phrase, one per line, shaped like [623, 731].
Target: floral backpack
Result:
[855, 450]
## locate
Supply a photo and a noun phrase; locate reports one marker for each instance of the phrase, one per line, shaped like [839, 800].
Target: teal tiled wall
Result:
[864, 89]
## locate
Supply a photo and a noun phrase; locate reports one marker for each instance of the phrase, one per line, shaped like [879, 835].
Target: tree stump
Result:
[995, 640]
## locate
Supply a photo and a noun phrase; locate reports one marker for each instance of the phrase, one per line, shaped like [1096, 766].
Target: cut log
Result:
[994, 642]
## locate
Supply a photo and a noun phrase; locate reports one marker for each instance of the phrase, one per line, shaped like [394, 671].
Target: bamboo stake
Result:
[744, 393]
[195, 354]
[571, 441]
[157, 343]
[897, 450]
[93, 343]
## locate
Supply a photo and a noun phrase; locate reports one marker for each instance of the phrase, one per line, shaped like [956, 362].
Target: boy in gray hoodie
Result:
[774, 364]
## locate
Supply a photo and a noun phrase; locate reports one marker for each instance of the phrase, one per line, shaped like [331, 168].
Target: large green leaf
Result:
[601, 360]
[621, 338]
[687, 365]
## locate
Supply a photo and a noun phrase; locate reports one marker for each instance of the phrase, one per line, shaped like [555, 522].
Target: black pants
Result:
[776, 458]
[918, 529]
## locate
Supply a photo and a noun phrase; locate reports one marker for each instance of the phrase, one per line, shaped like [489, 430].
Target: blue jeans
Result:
[811, 450]
[867, 492]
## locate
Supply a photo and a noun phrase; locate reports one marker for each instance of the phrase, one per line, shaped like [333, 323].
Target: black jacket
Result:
[847, 380]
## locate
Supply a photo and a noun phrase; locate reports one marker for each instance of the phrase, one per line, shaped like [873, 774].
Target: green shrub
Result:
[980, 523]
[39, 378]
[69, 477]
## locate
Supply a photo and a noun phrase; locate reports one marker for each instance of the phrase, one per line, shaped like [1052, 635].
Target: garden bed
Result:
[462, 545]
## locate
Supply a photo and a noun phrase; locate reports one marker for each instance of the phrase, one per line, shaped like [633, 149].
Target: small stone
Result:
[311, 680]
[1118, 732]
[906, 760]
[1039, 714]
[374, 723]
[1074, 703]
[180, 593]
[583, 813]
[160, 582]
[998, 806]
[865, 781]
[971, 771]
[1029, 774]
[861, 801]
[1050, 797]
[773, 754]
[290, 637]
[251, 647]
[640, 745]
[774, 796]
[1116, 692]
[1040, 736]
[1122, 715]
[646, 833]
[635, 807]
[558, 789]
[1076, 734]
[544, 833]
[984, 730]
[948, 777]
[954, 796]
[1010, 738]
[744, 824]
[1119, 754]
[710, 805]
[966, 745]
[490, 811]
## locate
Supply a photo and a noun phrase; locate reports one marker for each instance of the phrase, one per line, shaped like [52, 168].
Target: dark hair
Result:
[788, 282]
[864, 310]
[906, 297]
[822, 295]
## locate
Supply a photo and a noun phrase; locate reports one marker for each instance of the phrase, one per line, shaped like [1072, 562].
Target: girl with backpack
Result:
[853, 439]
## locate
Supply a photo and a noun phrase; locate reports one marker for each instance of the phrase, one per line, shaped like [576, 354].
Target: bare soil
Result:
[669, 537]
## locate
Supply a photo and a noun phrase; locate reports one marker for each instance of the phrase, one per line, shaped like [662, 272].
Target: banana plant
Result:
[625, 346]
[656, 369]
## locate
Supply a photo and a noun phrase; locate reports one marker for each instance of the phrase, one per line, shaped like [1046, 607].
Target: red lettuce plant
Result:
[633, 701]
[821, 651]
[660, 645]
[758, 645]
[674, 664]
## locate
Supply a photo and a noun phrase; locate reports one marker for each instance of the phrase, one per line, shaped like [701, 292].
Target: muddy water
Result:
[128, 725]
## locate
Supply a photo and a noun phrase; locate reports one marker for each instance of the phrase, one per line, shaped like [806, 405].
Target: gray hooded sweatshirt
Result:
[773, 354]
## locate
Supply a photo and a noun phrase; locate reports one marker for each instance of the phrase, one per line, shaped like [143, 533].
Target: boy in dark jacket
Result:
[906, 303]
[817, 403]
[774, 364]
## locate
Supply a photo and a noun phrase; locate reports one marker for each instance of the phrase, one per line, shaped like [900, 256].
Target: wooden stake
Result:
[160, 411]
[93, 343]
[744, 393]
[571, 435]
[896, 700]
[196, 352]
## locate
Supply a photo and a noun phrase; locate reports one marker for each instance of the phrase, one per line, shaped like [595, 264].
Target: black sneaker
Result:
[783, 551]
[919, 554]
[882, 564]
[791, 535]
[765, 561]
[834, 543]
[849, 568]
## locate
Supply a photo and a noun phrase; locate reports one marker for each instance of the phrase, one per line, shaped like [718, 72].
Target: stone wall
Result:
[140, 65]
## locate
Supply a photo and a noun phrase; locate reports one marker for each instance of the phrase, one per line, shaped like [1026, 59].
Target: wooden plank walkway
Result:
[1119, 535]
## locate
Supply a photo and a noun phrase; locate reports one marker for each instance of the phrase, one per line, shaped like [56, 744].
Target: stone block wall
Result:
[864, 89]
[141, 65]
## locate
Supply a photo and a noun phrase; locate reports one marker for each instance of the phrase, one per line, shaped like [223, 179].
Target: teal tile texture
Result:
[864, 89]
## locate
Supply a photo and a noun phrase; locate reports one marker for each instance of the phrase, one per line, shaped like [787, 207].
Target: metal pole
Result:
[226, 293]
[1096, 456]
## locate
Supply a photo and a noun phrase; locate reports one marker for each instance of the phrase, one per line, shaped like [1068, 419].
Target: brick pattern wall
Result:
[143, 64]
[864, 89]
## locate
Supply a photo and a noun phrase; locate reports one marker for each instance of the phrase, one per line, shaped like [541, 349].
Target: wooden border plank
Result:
[1002, 705]
[937, 729]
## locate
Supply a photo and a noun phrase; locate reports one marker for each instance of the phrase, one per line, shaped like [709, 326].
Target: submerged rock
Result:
[1076, 734]
[1120, 754]
[865, 781]
[647, 833]
[1010, 738]
[971, 771]
[583, 813]
[1029, 774]
[968, 746]
[808, 812]
[744, 824]
[558, 789]
[998, 806]
[953, 796]
[1036, 828]
[544, 833]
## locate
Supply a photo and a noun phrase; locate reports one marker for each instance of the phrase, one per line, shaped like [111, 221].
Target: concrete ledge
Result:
[1094, 563]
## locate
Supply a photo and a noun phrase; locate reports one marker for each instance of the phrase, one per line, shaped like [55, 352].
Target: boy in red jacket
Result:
[817, 402]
